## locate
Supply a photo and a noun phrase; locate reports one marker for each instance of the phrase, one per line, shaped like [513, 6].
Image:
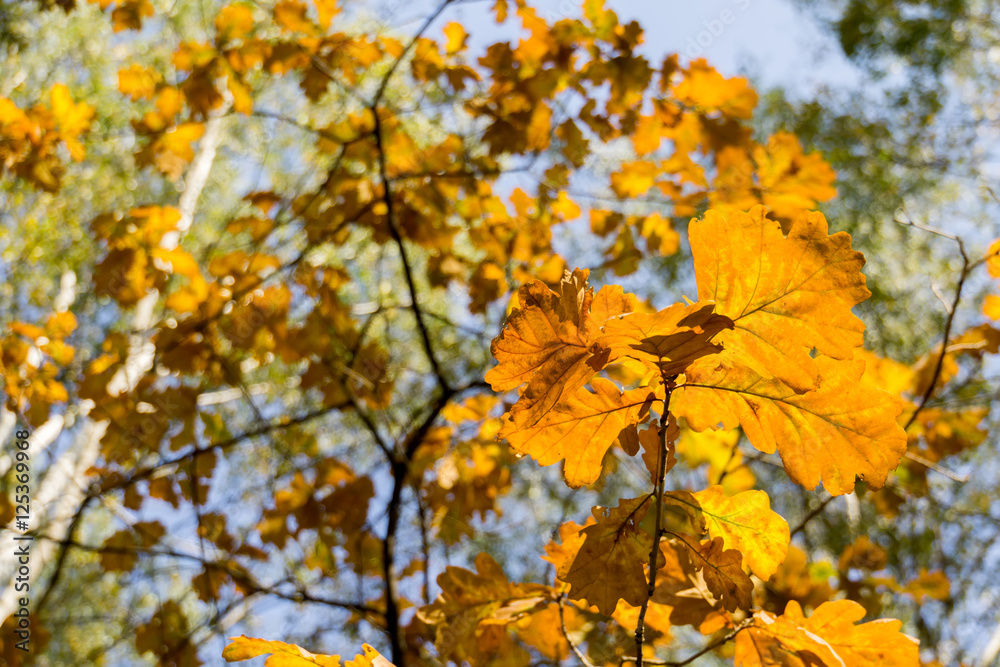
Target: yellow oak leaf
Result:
[138, 82]
[746, 523]
[369, 657]
[787, 296]
[282, 655]
[326, 9]
[840, 431]
[580, 430]
[73, 119]
[233, 21]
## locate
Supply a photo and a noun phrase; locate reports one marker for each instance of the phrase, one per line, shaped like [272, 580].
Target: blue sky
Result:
[771, 40]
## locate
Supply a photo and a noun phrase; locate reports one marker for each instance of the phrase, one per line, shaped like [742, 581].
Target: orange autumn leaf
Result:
[471, 602]
[838, 432]
[609, 564]
[667, 341]
[787, 296]
[828, 636]
[543, 630]
[326, 9]
[681, 586]
[548, 343]
[705, 89]
[580, 430]
[138, 82]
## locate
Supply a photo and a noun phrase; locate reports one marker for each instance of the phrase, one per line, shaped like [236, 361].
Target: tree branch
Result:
[661, 473]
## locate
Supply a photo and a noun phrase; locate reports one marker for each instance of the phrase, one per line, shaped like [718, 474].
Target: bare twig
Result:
[812, 515]
[729, 636]
[951, 309]
[661, 473]
[565, 633]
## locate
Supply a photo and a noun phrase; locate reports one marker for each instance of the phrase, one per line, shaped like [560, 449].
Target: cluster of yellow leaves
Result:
[471, 615]
[136, 262]
[933, 432]
[772, 347]
[462, 477]
[769, 348]
[605, 560]
[29, 139]
[335, 506]
[31, 358]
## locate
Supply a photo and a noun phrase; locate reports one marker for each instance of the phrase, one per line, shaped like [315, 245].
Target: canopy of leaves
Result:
[254, 253]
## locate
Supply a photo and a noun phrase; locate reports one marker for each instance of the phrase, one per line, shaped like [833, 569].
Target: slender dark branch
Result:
[729, 636]
[949, 321]
[61, 561]
[809, 517]
[425, 549]
[407, 267]
[661, 473]
[243, 578]
[565, 633]
[400, 472]
[113, 483]
[409, 46]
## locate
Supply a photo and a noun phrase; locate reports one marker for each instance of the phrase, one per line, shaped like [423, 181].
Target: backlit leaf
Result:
[787, 296]
[580, 430]
[746, 523]
[609, 565]
[840, 431]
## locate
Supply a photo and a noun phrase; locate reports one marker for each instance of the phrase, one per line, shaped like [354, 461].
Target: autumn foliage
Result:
[335, 309]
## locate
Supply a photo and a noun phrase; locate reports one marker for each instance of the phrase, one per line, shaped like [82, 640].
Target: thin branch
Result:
[939, 364]
[661, 473]
[243, 578]
[930, 465]
[407, 268]
[409, 46]
[113, 483]
[691, 658]
[812, 515]
[565, 633]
